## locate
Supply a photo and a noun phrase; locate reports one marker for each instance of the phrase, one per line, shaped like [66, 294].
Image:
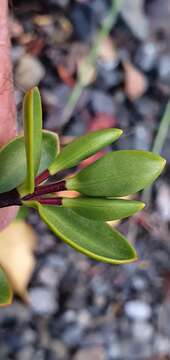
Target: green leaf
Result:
[103, 209]
[82, 148]
[13, 160]
[118, 173]
[5, 289]
[22, 213]
[95, 239]
[32, 114]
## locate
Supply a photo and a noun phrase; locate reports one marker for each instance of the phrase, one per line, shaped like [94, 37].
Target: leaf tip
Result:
[163, 163]
[118, 131]
[142, 206]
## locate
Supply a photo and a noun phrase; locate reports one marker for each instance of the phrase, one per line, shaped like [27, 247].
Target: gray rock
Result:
[132, 12]
[142, 331]
[164, 68]
[29, 72]
[29, 336]
[138, 310]
[101, 102]
[139, 283]
[146, 56]
[72, 335]
[42, 301]
[96, 353]
[143, 138]
[27, 353]
[62, 3]
[59, 350]
[115, 350]
[161, 344]
[48, 276]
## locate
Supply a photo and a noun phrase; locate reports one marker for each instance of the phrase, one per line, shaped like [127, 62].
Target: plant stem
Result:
[10, 198]
[42, 177]
[46, 189]
[107, 25]
[49, 201]
[158, 144]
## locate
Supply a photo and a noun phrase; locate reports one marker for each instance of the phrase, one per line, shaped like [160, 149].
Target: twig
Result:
[91, 58]
[158, 144]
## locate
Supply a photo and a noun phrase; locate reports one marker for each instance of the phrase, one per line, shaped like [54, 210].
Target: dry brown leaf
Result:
[17, 244]
[135, 82]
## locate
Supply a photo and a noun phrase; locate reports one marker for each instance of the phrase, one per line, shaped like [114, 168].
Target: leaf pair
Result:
[79, 221]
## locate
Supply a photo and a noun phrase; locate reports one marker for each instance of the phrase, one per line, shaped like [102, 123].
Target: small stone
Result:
[163, 201]
[102, 103]
[142, 331]
[133, 14]
[142, 139]
[72, 335]
[146, 56]
[96, 353]
[162, 345]
[139, 283]
[29, 72]
[29, 336]
[49, 277]
[27, 353]
[84, 318]
[138, 310]
[164, 68]
[42, 301]
[59, 350]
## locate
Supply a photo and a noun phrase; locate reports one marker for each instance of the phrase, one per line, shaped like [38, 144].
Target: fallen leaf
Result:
[135, 82]
[17, 244]
[65, 75]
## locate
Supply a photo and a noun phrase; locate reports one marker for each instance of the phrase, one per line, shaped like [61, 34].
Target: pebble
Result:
[49, 277]
[27, 353]
[143, 331]
[96, 353]
[62, 3]
[146, 56]
[59, 350]
[164, 68]
[143, 138]
[138, 310]
[29, 72]
[139, 283]
[42, 301]
[162, 344]
[132, 12]
[72, 335]
[100, 102]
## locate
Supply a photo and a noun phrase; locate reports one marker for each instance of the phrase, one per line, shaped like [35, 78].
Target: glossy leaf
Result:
[22, 213]
[95, 239]
[13, 160]
[118, 173]
[32, 114]
[103, 209]
[5, 289]
[83, 147]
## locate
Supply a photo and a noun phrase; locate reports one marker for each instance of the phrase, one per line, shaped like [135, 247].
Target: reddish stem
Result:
[42, 177]
[46, 189]
[49, 201]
